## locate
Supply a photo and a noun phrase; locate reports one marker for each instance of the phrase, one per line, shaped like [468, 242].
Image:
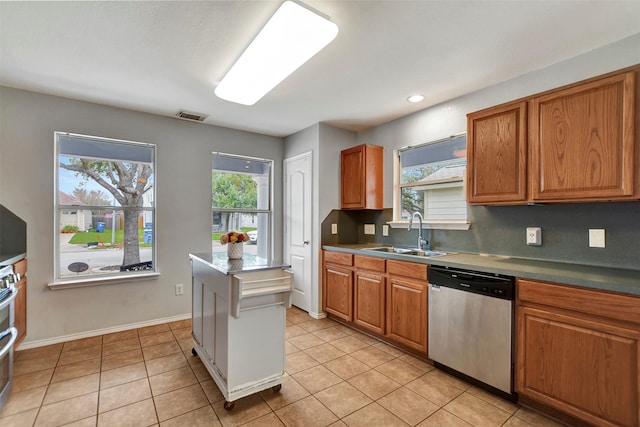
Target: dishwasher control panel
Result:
[493, 285]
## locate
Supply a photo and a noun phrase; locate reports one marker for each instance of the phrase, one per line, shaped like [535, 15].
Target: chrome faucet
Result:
[421, 241]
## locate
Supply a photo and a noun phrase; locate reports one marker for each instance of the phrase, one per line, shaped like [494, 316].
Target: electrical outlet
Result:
[179, 289]
[534, 236]
[334, 228]
[369, 229]
[596, 238]
[385, 230]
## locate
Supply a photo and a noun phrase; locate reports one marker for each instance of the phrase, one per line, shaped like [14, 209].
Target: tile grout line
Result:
[369, 343]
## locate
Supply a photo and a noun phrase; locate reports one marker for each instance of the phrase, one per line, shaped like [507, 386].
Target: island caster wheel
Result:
[229, 405]
[193, 351]
[276, 388]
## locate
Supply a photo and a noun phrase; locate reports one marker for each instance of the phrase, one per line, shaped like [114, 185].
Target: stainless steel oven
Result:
[8, 332]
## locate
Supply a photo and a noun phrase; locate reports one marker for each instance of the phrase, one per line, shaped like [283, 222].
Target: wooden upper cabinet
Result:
[575, 143]
[582, 141]
[362, 177]
[497, 155]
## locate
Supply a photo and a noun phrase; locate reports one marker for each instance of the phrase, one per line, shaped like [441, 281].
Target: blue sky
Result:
[67, 182]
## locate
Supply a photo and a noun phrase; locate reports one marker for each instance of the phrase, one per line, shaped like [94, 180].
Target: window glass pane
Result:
[105, 199]
[240, 182]
[431, 180]
[256, 225]
[434, 162]
[241, 201]
[233, 191]
[412, 201]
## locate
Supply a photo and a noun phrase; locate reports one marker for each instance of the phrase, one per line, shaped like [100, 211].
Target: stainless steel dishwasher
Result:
[471, 316]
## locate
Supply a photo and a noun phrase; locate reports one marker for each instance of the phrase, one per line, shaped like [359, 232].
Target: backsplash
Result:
[500, 230]
[13, 235]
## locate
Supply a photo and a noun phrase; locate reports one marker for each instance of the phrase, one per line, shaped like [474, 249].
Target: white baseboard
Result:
[56, 340]
[315, 315]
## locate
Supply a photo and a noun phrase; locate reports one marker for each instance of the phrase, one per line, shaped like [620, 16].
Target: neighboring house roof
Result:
[445, 173]
[68, 199]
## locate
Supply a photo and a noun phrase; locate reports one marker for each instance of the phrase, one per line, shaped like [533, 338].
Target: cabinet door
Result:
[20, 304]
[361, 177]
[582, 141]
[338, 292]
[583, 367]
[407, 313]
[20, 311]
[497, 155]
[369, 301]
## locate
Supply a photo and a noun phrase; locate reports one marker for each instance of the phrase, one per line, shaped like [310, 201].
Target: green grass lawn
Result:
[84, 237]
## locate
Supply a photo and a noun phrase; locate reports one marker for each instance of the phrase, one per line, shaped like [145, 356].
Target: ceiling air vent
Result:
[190, 115]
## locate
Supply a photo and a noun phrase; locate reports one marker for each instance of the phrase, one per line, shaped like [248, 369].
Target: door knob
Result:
[306, 242]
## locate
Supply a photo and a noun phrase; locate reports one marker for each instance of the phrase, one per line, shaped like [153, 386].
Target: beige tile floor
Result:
[334, 376]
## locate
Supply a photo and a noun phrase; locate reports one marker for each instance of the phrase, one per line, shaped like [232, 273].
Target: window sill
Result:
[95, 281]
[440, 225]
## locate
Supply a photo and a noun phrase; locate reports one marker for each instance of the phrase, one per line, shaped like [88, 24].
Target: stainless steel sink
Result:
[406, 251]
[395, 250]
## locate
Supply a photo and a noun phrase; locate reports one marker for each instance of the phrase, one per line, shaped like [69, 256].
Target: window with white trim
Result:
[241, 194]
[105, 207]
[430, 180]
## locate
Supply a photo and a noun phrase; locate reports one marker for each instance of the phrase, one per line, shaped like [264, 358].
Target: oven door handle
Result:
[14, 334]
[5, 302]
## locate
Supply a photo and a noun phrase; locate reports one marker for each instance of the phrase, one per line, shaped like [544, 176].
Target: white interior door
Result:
[297, 226]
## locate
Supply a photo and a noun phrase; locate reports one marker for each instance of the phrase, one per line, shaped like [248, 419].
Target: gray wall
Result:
[449, 118]
[325, 143]
[501, 230]
[183, 218]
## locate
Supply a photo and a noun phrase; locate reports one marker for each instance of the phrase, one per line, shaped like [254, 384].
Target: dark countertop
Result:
[601, 278]
[8, 259]
[222, 263]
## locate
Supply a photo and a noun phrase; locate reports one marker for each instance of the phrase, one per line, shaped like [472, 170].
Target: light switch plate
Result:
[385, 230]
[334, 228]
[369, 229]
[596, 238]
[534, 236]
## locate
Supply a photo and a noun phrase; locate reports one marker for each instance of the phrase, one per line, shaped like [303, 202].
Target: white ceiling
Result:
[160, 57]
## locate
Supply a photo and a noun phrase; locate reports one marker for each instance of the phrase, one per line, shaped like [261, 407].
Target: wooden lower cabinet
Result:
[578, 352]
[20, 303]
[407, 312]
[337, 284]
[385, 297]
[338, 292]
[370, 301]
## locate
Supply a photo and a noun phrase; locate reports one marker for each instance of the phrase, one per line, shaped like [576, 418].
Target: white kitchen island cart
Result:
[238, 321]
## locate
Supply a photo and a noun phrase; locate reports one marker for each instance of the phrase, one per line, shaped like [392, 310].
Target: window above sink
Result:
[430, 180]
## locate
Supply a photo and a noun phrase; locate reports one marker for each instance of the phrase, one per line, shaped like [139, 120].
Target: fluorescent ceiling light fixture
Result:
[291, 37]
[415, 98]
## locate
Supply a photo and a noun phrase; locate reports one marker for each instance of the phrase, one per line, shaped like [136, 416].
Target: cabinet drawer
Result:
[369, 263]
[619, 307]
[338, 258]
[20, 267]
[407, 269]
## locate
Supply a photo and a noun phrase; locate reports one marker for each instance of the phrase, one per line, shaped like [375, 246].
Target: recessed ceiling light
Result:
[289, 39]
[415, 98]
